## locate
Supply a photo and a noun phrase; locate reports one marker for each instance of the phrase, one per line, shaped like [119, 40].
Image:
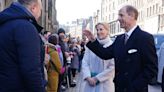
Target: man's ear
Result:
[32, 7]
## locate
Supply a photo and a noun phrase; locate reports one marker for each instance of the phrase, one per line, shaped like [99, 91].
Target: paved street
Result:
[76, 89]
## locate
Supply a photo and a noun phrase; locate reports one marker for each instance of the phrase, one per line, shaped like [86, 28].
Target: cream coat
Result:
[104, 68]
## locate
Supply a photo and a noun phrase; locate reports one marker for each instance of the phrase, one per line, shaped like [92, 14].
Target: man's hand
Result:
[89, 35]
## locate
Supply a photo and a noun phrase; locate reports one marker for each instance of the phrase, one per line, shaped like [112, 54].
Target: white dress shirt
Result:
[131, 31]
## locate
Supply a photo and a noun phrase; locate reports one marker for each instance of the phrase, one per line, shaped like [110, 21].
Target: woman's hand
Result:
[91, 81]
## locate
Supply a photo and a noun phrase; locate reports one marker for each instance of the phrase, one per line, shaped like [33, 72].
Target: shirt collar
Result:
[131, 31]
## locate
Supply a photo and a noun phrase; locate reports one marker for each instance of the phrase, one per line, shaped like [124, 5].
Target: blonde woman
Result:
[98, 73]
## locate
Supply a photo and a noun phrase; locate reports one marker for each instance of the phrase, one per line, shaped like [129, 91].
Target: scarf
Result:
[105, 42]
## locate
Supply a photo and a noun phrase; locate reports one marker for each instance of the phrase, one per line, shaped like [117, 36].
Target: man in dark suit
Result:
[134, 53]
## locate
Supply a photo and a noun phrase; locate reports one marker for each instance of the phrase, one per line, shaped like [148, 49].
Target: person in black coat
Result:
[20, 62]
[134, 53]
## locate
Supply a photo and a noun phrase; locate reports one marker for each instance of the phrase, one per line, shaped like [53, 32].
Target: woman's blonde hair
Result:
[106, 25]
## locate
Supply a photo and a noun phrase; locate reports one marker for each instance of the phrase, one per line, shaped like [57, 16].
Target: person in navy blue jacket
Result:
[20, 62]
[134, 53]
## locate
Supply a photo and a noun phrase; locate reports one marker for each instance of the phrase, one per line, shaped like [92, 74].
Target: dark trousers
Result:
[73, 72]
[61, 78]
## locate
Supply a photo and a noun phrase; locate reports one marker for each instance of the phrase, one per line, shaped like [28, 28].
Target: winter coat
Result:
[103, 70]
[54, 67]
[20, 62]
[75, 58]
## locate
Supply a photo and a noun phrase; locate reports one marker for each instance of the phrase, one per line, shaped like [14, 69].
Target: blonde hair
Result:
[105, 25]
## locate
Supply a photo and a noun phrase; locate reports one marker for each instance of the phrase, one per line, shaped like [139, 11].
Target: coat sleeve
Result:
[85, 65]
[99, 50]
[161, 63]
[107, 73]
[28, 48]
[150, 63]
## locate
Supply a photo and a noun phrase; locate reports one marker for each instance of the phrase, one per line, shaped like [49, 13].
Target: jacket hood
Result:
[15, 12]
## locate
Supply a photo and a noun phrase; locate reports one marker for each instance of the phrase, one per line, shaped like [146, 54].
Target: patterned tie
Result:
[126, 38]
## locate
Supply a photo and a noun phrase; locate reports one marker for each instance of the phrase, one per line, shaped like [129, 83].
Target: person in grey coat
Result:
[75, 58]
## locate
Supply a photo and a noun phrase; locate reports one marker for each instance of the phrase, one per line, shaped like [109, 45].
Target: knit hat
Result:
[61, 30]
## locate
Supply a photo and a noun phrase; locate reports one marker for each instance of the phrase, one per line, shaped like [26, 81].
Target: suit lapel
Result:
[120, 47]
[131, 41]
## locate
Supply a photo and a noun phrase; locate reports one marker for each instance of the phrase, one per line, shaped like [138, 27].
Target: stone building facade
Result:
[150, 13]
[48, 19]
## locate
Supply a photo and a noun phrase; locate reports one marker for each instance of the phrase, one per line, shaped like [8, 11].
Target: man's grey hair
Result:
[27, 2]
[132, 10]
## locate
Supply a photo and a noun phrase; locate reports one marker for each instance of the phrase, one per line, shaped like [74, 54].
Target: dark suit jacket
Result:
[135, 61]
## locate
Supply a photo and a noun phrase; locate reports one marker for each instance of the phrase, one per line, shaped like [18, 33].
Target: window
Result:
[150, 11]
[161, 20]
[135, 3]
[113, 6]
[147, 12]
[109, 18]
[103, 11]
[160, 9]
[139, 17]
[156, 8]
[153, 9]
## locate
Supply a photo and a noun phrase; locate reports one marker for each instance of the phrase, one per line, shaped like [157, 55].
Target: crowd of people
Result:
[33, 60]
[62, 60]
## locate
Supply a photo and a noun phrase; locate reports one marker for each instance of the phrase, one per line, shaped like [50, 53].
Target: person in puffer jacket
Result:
[20, 62]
